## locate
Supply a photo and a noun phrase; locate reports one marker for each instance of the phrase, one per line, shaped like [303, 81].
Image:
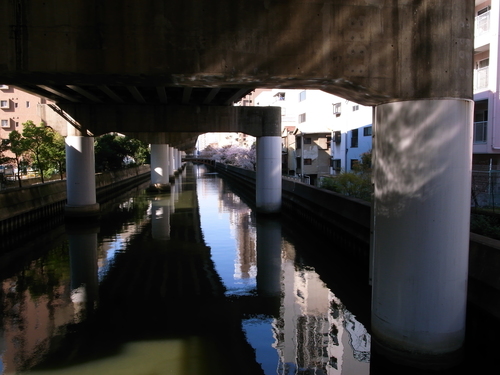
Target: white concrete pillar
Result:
[80, 177]
[422, 176]
[159, 167]
[176, 158]
[268, 176]
[171, 168]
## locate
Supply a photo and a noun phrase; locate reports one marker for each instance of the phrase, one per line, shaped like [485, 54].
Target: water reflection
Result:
[174, 283]
[83, 265]
[308, 330]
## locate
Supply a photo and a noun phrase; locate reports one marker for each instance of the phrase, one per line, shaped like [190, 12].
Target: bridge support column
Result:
[171, 165]
[268, 176]
[80, 177]
[422, 177]
[176, 159]
[160, 167]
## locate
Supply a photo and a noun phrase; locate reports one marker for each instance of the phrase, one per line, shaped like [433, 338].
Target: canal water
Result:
[190, 282]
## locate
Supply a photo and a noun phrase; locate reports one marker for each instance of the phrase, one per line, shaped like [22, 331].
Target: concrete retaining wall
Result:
[21, 206]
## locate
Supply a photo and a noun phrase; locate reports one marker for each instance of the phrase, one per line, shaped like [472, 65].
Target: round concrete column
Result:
[176, 158]
[422, 176]
[171, 166]
[268, 177]
[159, 167]
[80, 177]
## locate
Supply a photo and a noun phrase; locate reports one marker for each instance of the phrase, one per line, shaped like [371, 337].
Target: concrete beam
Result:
[368, 51]
[183, 141]
[101, 119]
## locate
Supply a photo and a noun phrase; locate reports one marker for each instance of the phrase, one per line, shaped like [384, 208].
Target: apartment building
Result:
[322, 134]
[486, 135]
[16, 108]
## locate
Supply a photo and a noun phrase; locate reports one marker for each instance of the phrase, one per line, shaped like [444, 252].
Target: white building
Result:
[322, 133]
[486, 140]
[352, 135]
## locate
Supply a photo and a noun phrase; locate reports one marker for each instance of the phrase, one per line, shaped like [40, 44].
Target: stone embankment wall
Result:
[328, 210]
[25, 205]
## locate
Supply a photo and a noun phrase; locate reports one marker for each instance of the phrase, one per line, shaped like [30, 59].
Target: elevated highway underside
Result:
[166, 71]
[114, 54]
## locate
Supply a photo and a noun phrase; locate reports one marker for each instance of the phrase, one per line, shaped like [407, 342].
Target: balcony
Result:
[482, 24]
[481, 78]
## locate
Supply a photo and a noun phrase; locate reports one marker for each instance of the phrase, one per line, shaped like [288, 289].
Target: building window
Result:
[354, 138]
[354, 163]
[355, 108]
[367, 131]
[307, 141]
[328, 142]
[337, 137]
[15, 105]
[5, 123]
[307, 161]
[302, 118]
[302, 96]
[335, 164]
[280, 96]
[336, 109]
[298, 142]
[4, 104]
[480, 121]
[480, 131]
[27, 104]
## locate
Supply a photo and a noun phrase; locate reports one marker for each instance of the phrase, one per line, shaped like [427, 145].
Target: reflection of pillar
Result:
[422, 172]
[159, 167]
[160, 218]
[268, 177]
[80, 177]
[83, 262]
[268, 257]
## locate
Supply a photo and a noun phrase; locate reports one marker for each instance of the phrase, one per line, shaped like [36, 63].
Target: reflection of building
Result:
[315, 332]
[30, 321]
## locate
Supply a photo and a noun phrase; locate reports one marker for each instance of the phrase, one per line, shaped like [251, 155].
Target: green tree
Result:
[37, 140]
[56, 153]
[114, 151]
[17, 147]
[4, 147]
[356, 184]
